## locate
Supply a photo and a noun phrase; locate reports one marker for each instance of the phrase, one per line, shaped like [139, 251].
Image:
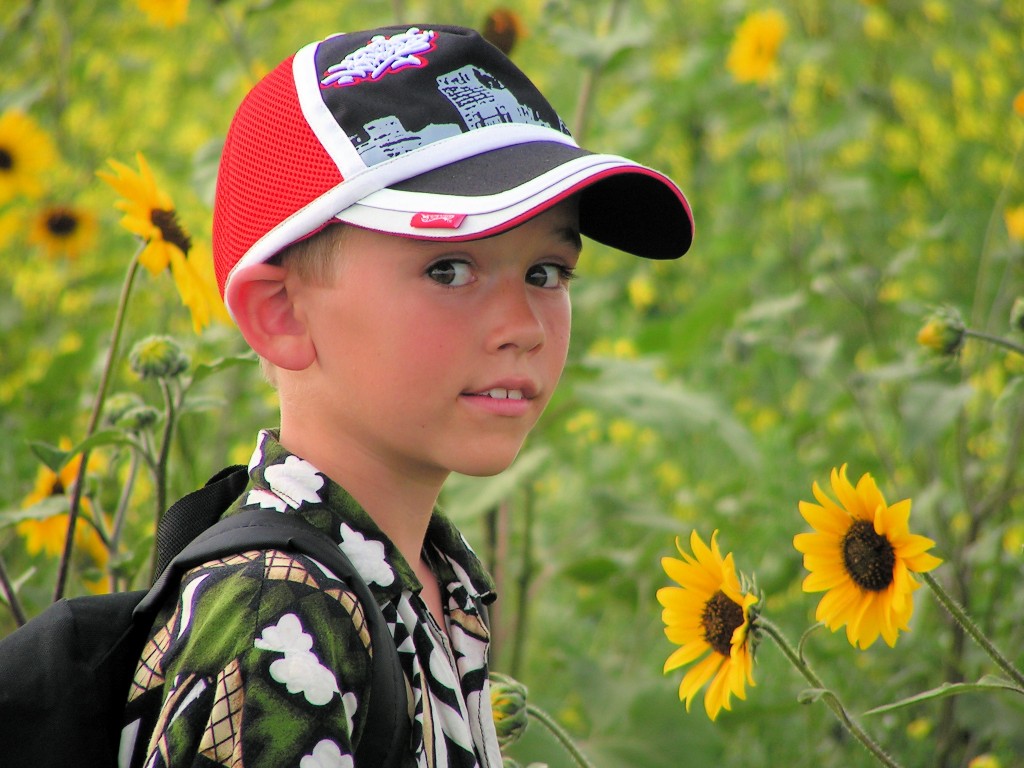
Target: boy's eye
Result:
[548, 275]
[450, 272]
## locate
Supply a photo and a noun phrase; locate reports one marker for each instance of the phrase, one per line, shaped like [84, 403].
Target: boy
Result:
[398, 215]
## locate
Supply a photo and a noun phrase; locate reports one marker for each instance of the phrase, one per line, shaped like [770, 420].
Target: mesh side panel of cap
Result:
[272, 166]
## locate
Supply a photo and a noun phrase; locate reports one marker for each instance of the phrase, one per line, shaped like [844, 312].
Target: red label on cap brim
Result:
[437, 220]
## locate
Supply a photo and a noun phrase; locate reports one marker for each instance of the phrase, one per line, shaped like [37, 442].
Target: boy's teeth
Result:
[505, 394]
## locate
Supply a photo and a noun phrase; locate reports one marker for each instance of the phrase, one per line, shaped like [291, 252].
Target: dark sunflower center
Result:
[58, 487]
[61, 223]
[170, 230]
[722, 616]
[6, 160]
[868, 557]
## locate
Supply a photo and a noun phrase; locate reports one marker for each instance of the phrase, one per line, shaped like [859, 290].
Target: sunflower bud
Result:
[943, 332]
[158, 357]
[117, 405]
[502, 29]
[138, 419]
[1017, 314]
[508, 702]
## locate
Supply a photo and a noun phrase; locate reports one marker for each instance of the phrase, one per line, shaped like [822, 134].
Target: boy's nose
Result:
[517, 324]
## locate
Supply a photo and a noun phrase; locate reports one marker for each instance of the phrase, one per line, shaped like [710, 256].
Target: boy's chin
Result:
[485, 466]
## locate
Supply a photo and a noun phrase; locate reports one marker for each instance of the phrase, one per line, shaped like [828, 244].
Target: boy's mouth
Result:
[502, 394]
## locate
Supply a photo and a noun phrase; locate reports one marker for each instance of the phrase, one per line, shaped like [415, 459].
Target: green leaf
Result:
[811, 695]
[592, 570]
[205, 370]
[466, 498]
[103, 437]
[986, 684]
[17, 584]
[53, 457]
[41, 510]
[930, 408]
[631, 388]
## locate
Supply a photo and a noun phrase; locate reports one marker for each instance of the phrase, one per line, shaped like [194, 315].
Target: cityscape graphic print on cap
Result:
[479, 97]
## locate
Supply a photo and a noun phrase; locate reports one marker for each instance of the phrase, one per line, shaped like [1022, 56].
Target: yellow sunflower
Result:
[63, 230]
[150, 214]
[26, 154]
[862, 555]
[166, 13]
[708, 613]
[754, 53]
[46, 536]
[197, 285]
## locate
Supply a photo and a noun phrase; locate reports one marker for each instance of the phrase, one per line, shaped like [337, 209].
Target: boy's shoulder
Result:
[286, 483]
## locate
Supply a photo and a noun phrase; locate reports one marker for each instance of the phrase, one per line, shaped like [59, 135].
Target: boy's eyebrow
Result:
[570, 235]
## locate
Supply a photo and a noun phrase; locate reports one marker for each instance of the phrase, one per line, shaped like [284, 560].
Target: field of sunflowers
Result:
[774, 515]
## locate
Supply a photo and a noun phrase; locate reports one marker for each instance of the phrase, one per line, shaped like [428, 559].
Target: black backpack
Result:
[65, 675]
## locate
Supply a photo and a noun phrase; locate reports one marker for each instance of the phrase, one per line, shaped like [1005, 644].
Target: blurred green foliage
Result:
[837, 204]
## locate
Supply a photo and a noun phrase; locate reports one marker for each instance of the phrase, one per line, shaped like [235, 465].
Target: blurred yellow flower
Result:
[641, 292]
[919, 729]
[708, 613]
[985, 761]
[63, 230]
[166, 13]
[1018, 103]
[1014, 218]
[861, 555]
[150, 214]
[47, 535]
[754, 52]
[26, 154]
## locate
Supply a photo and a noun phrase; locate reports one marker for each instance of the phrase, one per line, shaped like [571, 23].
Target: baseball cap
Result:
[427, 132]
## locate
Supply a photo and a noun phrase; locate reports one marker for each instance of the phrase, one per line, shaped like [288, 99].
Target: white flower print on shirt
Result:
[326, 754]
[266, 500]
[300, 670]
[296, 481]
[368, 556]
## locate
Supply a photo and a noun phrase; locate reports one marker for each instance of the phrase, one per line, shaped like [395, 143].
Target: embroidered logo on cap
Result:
[381, 56]
[437, 220]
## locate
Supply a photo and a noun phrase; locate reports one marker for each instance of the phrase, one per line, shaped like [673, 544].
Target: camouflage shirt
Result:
[262, 659]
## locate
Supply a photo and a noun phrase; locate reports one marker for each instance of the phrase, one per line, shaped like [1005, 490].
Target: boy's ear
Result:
[266, 315]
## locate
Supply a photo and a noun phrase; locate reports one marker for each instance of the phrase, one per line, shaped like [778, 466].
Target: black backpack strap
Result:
[385, 737]
[192, 514]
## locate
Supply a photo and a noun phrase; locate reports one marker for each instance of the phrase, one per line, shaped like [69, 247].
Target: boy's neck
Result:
[399, 501]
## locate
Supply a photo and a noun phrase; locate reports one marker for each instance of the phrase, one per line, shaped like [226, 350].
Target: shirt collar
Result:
[283, 481]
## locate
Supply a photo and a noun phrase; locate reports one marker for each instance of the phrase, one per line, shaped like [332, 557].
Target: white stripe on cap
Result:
[319, 117]
[417, 202]
[391, 211]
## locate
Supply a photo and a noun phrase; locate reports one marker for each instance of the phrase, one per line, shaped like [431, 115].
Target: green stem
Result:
[12, 597]
[560, 735]
[589, 85]
[527, 568]
[999, 341]
[831, 700]
[985, 257]
[122, 511]
[957, 612]
[94, 419]
[170, 416]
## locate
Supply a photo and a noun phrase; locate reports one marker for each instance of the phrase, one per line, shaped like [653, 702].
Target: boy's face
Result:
[438, 356]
